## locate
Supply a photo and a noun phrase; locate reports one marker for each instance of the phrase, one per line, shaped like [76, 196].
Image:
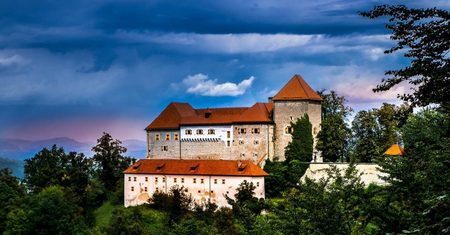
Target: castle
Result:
[254, 133]
[210, 152]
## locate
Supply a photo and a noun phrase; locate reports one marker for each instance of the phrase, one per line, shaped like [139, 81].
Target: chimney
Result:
[270, 99]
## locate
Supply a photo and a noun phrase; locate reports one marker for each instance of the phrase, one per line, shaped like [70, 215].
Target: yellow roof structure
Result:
[395, 150]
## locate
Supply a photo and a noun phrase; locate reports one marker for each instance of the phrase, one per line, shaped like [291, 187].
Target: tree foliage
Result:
[301, 146]
[333, 137]
[110, 160]
[423, 34]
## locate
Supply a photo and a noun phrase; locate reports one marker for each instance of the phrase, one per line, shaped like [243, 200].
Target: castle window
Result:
[198, 191]
[242, 130]
[211, 131]
[134, 179]
[256, 142]
[228, 143]
[223, 181]
[167, 136]
[256, 130]
[289, 130]
[129, 178]
[215, 181]
[257, 184]
[242, 154]
[157, 137]
[146, 179]
[156, 179]
[175, 136]
[157, 189]
[188, 132]
[202, 181]
[292, 118]
[194, 180]
[145, 189]
[164, 179]
[228, 134]
[241, 142]
[255, 155]
[132, 189]
[212, 191]
[174, 180]
[182, 180]
[199, 132]
[164, 148]
[315, 130]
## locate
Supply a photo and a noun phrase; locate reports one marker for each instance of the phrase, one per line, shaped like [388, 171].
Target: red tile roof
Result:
[178, 114]
[296, 89]
[195, 167]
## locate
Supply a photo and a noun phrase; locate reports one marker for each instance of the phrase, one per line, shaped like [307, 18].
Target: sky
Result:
[78, 68]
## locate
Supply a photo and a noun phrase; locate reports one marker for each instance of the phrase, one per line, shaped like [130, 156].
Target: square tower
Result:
[292, 102]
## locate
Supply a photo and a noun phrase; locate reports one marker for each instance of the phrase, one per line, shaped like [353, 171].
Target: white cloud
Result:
[8, 60]
[375, 53]
[201, 84]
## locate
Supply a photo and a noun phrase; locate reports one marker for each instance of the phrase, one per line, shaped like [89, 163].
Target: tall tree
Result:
[366, 136]
[333, 137]
[387, 122]
[11, 191]
[301, 146]
[110, 160]
[424, 36]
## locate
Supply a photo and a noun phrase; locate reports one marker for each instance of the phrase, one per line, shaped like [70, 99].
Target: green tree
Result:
[387, 122]
[110, 160]
[11, 192]
[127, 221]
[366, 136]
[423, 35]
[301, 146]
[333, 138]
[177, 203]
[419, 182]
[276, 182]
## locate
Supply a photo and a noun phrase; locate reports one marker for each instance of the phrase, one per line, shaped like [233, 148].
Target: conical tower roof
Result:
[296, 89]
[395, 150]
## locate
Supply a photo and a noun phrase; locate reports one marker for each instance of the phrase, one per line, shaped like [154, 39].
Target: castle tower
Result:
[292, 102]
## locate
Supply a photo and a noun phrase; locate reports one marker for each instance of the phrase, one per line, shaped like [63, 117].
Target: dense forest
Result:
[69, 193]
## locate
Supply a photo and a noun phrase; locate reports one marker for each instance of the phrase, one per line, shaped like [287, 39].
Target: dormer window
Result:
[211, 131]
[160, 167]
[194, 167]
[199, 132]
[188, 132]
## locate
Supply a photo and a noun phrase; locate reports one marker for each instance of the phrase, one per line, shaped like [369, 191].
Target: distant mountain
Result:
[135, 148]
[15, 166]
[20, 149]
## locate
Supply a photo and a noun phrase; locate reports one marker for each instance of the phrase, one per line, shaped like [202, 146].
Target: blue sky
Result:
[77, 68]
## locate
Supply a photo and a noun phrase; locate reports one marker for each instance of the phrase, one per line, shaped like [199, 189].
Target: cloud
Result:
[200, 84]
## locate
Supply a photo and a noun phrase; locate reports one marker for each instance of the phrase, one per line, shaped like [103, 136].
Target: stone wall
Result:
[286, 112]
[370, 172]
[156, 147]
[251, 146]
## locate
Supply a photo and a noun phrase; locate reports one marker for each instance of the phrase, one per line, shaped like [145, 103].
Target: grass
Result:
[103, 214]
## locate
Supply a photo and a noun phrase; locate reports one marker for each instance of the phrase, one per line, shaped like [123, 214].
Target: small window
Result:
[202, 181]
[157, 137]
[164, 148]
[156, 179]
[157, 189]
[292, 118]
[228, 134]
[186, 190]
[146, 179]
[256, 142]
[167, 136]
[199, 132]
[145, 189]
[194, 180]
[242, 130]
[174, 180]
[211, 131]
[289, 130]
[175, 136]
[182, 180]
[215, 181]
[129, 178]
[199, 191]
[135, 178]
[257, 184]
[132, 189]
[242, 154]
[212, 191]
[256, 130]
[164, 179]
[255, 155]
[223, 181]
[228, 143]
[188, 132]
[241, 142]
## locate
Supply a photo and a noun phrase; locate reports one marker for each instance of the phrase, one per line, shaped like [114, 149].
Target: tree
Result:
[177, 203]
[110, 160]
[366, 135]
[301, 146]
[333, 137]
[10, 194]
[419, 181]
[387, 122]
[423, 34]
